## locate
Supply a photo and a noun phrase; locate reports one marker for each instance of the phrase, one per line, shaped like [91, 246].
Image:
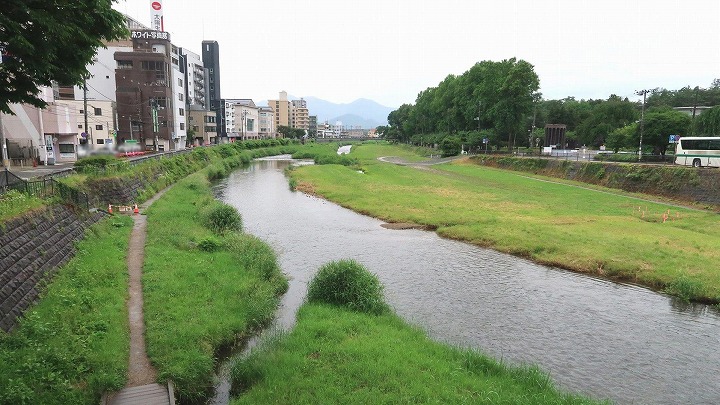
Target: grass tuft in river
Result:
[336, 354]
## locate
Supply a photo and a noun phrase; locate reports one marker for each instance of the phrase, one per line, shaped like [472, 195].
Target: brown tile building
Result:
[144, 85]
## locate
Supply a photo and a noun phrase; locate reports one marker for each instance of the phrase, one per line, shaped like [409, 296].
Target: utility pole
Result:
[643, 93]
[5, 160]
[85, 111]
[130, 119]
[694, 110]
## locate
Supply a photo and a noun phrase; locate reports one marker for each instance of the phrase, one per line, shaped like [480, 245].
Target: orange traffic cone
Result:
[136, 210]
[109, 209]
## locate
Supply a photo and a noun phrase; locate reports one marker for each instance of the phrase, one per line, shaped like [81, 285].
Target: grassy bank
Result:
[73, 344]
[14, 203]
[369, 355]
[206, 285]
[606, 234]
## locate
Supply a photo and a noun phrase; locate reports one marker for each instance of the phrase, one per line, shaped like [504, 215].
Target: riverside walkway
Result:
[141, 388]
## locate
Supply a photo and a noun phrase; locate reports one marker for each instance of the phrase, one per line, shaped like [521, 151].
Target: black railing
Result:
[43, 188]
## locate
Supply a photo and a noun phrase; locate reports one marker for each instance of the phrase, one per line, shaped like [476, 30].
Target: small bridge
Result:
[150, 394]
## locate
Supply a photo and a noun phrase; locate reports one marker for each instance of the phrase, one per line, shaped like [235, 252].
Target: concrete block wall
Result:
[32, 248]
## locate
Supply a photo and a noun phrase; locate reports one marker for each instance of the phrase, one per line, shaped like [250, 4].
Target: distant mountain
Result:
[363, 112]
[352, 120]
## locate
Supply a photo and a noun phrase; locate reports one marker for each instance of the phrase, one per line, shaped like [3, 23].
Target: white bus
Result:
[698, 151]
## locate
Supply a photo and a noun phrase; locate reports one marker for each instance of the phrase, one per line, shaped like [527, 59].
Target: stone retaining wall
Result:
[32, 248]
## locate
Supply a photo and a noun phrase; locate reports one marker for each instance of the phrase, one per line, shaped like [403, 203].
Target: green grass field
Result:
[602, 233]
[73, 344]
[202, 290]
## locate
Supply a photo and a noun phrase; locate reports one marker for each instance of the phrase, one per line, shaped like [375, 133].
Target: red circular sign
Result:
[156, 5]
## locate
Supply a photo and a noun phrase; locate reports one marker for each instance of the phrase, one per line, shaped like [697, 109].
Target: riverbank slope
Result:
[605, 233]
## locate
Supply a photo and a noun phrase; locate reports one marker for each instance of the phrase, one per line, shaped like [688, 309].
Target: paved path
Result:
[141, 387]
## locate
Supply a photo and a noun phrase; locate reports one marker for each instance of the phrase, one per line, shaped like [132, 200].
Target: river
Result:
[595, 337]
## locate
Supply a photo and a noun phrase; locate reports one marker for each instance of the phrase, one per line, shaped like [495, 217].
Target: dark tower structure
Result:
[211, 61]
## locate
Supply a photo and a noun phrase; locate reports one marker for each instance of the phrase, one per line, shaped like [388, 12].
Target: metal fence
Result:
[43, 188]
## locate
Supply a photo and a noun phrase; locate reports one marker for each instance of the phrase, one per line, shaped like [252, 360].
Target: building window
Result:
[80, 126]
[250, 125]
[182, 112]
[100, 141]
[124, 64]
[82, 111]
[182, 126]
[67, 148]
[153, 65]
[180, 82]
[98, 111]
[180, 97]
[99, 127]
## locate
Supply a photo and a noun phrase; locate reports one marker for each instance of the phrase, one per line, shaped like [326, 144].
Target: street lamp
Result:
[643, 93]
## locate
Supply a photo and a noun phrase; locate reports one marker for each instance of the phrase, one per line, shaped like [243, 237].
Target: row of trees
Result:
[499, 102]
[491, 95]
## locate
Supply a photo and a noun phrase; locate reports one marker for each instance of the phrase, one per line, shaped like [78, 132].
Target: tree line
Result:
[496, 105]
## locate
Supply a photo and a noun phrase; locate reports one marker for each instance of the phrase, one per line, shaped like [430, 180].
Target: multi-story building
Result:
[179, 89]
[202, 125]
[101, 124]
[241, 117]
[99, 88]
[267, 122]
[146, 82]
[312, 126]
[46, 136]
[299, 115]
[211, 61]
[281, 108]
[196, 90]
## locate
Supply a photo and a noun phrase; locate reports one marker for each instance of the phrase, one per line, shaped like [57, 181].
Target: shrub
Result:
[100, 161]
[209, 244]
[220, 218]
[348, 284]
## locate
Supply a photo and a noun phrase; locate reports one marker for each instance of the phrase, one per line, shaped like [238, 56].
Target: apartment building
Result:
[299, 115]
[203, 126]
[241, 117]
[211, 61]
[281, 108]
[267, 123]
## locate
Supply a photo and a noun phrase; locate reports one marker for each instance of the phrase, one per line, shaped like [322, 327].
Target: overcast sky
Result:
[390, 50]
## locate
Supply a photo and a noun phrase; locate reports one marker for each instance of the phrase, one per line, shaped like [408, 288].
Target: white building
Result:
[178, 84]
[267, 123]
[242, 118]
[196, 79]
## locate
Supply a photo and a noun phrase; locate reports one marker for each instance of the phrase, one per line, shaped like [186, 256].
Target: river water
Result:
[594, 337]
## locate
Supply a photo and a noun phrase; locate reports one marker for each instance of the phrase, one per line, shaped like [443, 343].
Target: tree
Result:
[659, 124]
[46, 41]
[708, 124]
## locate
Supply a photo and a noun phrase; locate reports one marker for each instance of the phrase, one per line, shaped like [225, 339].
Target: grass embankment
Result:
[14, 203]
[349, 348]
[206, 285]
[73, 344]
[606, 234]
